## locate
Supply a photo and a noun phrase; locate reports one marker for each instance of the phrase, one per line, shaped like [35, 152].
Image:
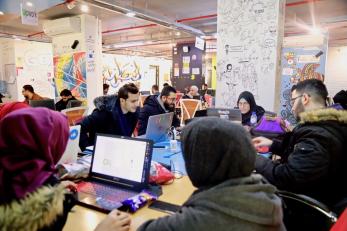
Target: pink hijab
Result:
[32, 142]
[10, 107]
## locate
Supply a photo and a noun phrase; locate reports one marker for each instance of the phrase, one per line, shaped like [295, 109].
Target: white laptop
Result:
[72, 148]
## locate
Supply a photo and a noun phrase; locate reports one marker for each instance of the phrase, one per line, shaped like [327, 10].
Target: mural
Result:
[121, 72]
[299, 64]
[70, 73]
[248, 45]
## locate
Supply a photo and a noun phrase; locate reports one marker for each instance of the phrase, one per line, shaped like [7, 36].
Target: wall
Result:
[121, 69]
[248, 50]
[336, 70]
[7, 68]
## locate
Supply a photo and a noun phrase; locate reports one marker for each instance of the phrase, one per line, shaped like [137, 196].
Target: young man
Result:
[66, 96]
[105, 88]
[29, 94]
[155, 90]
[158, 104]
[117, 119]
[313, 156]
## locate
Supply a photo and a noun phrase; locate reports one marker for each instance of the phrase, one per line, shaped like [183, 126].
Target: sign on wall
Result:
[29, 15]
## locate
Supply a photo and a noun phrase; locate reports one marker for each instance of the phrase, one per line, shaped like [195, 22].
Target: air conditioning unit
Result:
[62, 26]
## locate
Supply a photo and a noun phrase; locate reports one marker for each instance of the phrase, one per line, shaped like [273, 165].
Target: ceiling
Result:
[179, 21]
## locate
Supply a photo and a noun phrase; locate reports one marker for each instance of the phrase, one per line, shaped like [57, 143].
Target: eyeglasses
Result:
[292, 100]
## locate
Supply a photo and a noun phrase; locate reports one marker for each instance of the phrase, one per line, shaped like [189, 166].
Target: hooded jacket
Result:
[152, 107]
[313, 157]
[106, 118]
[228, 196]
[44, 209]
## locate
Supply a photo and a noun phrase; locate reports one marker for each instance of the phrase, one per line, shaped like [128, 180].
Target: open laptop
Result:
[158, 127]
[73, 103]
[48, 103]
[226, 113]
[72, 147]
[119, 170]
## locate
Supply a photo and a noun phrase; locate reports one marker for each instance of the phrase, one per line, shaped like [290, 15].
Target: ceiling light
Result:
[84, 8]
[1, 13]
[130, 14]
[178, 33]
[30, 4]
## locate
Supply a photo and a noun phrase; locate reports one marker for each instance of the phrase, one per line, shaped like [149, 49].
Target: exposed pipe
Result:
[197, 18]
[129, 28]
[302, 2]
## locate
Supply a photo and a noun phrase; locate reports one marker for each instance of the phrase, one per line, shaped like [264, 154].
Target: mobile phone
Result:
[165, 207]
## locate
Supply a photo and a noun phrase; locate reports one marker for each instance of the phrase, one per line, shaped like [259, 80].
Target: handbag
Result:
[270, 127]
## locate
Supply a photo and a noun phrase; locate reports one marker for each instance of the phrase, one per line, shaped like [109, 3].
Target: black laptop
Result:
[119, 170]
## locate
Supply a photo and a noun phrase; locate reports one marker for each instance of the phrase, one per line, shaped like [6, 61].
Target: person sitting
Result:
[228, 195]
[155, 90]
[193, 93]
[66, 96]
[158, 104]
[29, 94]
[204, 89]
[9, 107]
[31, 198]
[105, 88]
[166, 85]
[120, 118]
[313, 156]
[246, 104]
[341, 98]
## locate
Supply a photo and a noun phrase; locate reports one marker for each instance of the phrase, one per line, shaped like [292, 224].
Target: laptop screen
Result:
[121, 158]
[225, 113]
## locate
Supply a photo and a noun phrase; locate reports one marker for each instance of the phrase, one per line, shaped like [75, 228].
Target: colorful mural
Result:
[70, 73]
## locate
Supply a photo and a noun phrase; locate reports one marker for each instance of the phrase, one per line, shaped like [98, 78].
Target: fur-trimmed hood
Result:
[328, 114]
[36, 211]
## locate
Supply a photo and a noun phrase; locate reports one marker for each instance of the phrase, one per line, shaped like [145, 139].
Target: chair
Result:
[75, 114]
[305, 213]
[189, 108]
[142, 99]
[178, 99]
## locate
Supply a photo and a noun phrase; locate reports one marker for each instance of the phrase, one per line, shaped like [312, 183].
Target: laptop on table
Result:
[119, 170]
[72, 147]
[158, 127]
[226, 113]
[48, 103]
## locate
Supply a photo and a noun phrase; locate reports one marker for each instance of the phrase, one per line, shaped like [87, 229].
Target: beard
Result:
[169, 107]
[299, 109]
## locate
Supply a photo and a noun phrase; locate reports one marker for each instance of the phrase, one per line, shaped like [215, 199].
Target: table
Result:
[81, 218]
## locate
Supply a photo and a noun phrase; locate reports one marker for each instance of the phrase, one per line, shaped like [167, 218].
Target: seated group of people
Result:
[228, 193]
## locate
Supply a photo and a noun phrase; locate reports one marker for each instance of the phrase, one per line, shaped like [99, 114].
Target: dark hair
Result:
[28, 88]
[124, 91]
[166, 85]
[204, 84]
[314, 88]
[155, 87]
[105, 86]
[167, 90]
[293, 88]
[65, 92]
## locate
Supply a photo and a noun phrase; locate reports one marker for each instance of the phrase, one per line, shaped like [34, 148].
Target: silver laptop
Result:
[226, 113]
[158, 127]
[72, 148]
[119, 170]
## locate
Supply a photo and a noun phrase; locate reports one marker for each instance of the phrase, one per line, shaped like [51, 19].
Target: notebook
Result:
[226, 113]
[119, 170]
[72, 147]
[158, 127]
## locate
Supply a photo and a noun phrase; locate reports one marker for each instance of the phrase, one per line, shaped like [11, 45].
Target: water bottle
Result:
[254, 119]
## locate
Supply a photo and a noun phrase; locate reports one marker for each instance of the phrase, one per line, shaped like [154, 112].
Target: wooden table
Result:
[81, 218]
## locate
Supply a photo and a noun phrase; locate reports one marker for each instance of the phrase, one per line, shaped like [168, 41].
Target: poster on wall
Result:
[186, 68]
[70, 73]
[299, 64]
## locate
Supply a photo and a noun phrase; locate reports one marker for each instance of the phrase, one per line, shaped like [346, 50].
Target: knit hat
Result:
[216, 150]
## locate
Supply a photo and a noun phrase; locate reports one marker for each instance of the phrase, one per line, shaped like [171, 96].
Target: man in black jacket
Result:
[117, 119]
[66, 96]
[313, 156]
[158, 104]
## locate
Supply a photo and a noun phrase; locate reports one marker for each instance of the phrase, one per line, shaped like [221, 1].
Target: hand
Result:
[115, 221]
[261, 142]
[69, 185]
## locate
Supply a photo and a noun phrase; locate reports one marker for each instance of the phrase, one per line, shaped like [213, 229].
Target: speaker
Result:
[75, 43]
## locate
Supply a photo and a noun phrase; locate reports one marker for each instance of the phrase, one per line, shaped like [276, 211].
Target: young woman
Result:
[246, 103]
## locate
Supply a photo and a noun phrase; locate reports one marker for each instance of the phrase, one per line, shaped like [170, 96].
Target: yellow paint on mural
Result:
[214, 72]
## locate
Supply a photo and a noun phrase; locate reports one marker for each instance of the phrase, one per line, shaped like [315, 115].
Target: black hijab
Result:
[216, 150]
[259, 111]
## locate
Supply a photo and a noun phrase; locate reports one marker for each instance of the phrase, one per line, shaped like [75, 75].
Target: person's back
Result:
[228, 196]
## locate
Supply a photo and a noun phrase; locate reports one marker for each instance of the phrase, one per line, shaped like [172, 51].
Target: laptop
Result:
[119, 170]
[73, 103]
[158, 127]
[226, 113]
[72, 147]
[48, 103]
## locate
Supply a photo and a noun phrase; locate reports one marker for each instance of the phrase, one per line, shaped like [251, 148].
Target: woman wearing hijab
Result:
[32, 142]
[228, 195]
[246, 104]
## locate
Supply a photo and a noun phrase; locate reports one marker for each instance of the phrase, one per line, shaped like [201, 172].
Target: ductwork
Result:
[160, 20]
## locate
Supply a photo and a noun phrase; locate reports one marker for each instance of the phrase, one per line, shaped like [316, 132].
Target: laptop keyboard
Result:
[105, 193]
